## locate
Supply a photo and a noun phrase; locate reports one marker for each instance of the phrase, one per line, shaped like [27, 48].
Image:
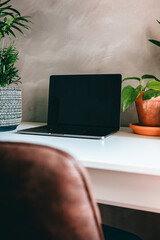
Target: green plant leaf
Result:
[22, 25]
[10, 31]
[8, 73]
[2, 4]
[8, 7]
[129, 95]
[155, 42]
[24, 18]
[14, 10]
[2, 33]
[130, 78]
[153, 84]
[11, 21]
[137, 92]
[149, 94]
[9, 13]
[146, 76]
[18, 29]
[3, 15]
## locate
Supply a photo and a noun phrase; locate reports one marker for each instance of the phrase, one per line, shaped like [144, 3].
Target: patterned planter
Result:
[10, 108]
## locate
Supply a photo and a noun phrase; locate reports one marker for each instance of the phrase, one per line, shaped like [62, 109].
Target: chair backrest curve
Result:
[45, 194]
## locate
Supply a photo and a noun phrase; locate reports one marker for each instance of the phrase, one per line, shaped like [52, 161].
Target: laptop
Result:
[86, 106]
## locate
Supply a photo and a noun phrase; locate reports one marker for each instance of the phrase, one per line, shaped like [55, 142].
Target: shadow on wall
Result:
[129, 116]
[35, 101]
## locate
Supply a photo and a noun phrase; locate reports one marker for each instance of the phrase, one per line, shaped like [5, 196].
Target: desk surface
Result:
[121, 151]
[124, 167]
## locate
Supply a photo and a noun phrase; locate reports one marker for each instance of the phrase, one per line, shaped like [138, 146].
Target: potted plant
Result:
[11, 22]
[147, 99]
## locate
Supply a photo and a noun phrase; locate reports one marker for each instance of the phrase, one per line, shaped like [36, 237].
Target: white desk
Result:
[124, 168]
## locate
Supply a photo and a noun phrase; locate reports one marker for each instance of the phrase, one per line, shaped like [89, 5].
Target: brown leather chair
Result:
[45, 194]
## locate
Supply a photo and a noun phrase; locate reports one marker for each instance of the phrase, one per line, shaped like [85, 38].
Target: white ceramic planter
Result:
[10, 108]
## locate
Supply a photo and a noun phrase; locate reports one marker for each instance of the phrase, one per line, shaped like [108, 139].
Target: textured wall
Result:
[87, 36]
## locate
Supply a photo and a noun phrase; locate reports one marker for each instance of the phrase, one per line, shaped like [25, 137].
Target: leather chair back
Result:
[45, 194]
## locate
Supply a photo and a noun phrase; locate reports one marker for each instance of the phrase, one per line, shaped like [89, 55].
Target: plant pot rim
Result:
[8, 87]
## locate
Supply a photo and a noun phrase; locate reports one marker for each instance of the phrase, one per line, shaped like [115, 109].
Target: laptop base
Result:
[81, 133]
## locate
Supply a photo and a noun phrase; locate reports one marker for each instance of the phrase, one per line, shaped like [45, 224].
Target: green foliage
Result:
[8, 73]
[131, 78]
[130, 94]
[153, 84]
[155, 41]
[11, 22]
[151, 93]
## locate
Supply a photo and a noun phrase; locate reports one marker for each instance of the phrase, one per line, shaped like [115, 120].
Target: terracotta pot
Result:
[148, 111]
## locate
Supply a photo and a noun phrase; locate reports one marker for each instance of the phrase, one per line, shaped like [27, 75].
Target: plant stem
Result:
[2, 47]
[3, 43]
[142, 84]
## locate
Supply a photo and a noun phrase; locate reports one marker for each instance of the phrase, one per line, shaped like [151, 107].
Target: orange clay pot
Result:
[148, 111]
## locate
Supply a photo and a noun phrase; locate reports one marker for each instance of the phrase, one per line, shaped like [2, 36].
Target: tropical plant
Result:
[130, 94]
[11, 22]
[8, 72]
[155, 41]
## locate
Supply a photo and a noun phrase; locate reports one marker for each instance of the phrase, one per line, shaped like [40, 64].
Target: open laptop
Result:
[86, 106]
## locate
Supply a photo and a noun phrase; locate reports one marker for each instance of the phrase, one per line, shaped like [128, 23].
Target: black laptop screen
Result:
[85, 100]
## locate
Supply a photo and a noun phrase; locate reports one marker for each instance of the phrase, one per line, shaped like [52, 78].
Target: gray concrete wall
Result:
[87, 36]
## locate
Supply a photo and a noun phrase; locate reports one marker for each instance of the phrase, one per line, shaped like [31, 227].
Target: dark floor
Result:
[144, 224]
